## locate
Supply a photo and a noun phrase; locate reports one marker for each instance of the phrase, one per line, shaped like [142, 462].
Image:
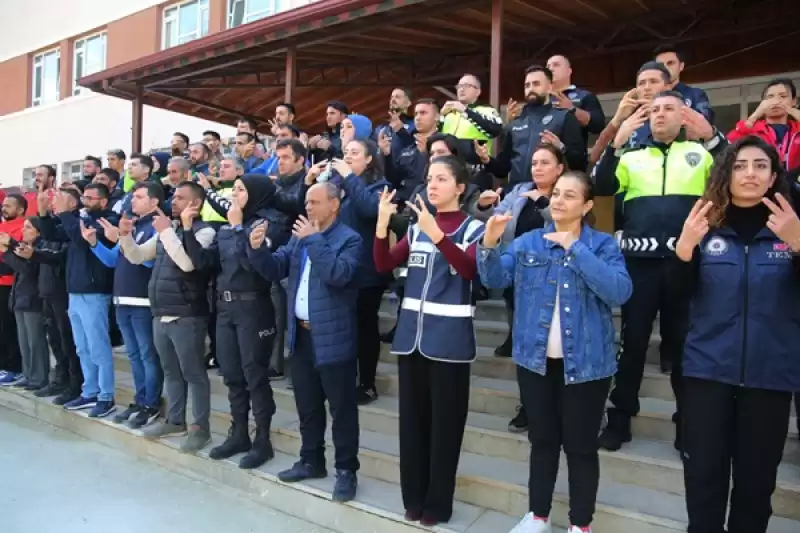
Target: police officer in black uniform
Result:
[245, 321]
[539, 122]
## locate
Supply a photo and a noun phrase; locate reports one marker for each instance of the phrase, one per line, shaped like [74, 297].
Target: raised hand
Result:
[565, 239]
[235, 215]
[384, 143]
[125, 224]
[89, 234]
[425, 220]
[626, 107]
[258, 235]
[513, 109]
[482, 151]
[203, 181]
[696, 125]
[161, 222]
[630, 125]
[694, 229]
[342, 168]
[188, 215]
[489, 197]
[495, 227]
[386, 208]
[304, 227]
[783, 221]
[314, 172]
[548, 137]
[23, 250]
[111, 232]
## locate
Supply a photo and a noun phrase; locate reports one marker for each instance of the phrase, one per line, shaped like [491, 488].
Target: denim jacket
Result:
[591, 279]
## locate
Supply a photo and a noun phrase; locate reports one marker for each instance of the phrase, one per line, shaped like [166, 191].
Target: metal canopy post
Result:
[138, 115]
[496, 53]
[291, 74]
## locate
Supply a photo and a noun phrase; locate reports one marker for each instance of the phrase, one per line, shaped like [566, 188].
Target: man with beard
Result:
[14, 206]
[89, 284]
[179, 144]
[539, 122]
[399, 104]
[199, 154]
[44, 180]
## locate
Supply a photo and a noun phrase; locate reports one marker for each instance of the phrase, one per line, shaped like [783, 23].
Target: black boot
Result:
[260, 452]
[617, 432]
[504, 350]
[238, 441]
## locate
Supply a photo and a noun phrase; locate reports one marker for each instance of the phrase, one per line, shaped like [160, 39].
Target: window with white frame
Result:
[72, 170]
[89, 56]
[46, 77]
[244, 11]
[184, 22]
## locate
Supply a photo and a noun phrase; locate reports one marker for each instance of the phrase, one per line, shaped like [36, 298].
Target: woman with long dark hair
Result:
[740, 245]
[567, 278]
[435, 340]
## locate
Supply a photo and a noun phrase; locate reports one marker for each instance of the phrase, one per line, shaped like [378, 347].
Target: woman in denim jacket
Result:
[565, 360]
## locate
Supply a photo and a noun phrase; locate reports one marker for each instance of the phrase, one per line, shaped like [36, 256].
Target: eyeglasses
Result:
[465, 86]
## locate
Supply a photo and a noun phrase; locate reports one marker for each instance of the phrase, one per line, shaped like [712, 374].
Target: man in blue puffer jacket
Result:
[89, 284]
[321, 261]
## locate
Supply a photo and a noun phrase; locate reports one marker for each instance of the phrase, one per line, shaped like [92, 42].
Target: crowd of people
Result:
[209, 254]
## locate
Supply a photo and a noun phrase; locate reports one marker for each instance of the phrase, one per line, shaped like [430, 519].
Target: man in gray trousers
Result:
[180, 309]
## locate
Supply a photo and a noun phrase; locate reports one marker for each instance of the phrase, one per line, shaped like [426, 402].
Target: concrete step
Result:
[645, 462]
[620, 505]
[492, 333]
[377, 507]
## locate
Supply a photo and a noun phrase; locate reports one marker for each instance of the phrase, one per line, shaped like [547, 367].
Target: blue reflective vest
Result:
[436, 316]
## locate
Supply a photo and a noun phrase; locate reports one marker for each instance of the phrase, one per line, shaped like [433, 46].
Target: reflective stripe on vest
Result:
[432, 308]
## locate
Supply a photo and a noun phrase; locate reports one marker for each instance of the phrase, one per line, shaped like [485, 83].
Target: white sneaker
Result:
[531, 524]
[576, 529]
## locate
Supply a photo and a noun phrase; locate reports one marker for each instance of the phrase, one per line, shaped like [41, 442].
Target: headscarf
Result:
[260, 190]
[163, 160]
[362, 126]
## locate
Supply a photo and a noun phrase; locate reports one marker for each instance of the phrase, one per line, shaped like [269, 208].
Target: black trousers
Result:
[369, 335]
[245, 331]
[731, 430]
[212, 319]
[314, 384]
[59, 335]
[657, 286]
[434, 400]
[567, 416]
[10, 357]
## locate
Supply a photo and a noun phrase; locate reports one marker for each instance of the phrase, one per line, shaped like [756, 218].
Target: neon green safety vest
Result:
[207, 213]
[460, 126]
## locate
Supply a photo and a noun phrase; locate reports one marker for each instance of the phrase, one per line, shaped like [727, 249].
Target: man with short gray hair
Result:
[321, 262]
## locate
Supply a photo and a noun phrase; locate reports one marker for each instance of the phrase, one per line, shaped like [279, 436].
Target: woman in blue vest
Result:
[741, 364]
[360, 177]
[567, 277]
[435, 337]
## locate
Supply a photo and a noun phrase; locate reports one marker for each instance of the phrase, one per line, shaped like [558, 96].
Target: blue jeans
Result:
[88, 314]
[136, 325]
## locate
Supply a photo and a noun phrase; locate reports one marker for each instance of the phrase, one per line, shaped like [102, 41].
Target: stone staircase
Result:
[641, 486]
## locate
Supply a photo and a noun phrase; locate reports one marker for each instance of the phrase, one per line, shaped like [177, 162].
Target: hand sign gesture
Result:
[694, 229]
[235, 215]
[304, 227]
[89, 234]
[111, 232]
[513, 109]
[258, 235]
[125, 224]
[188, 215]
[783, 221]
[548, 137]
[23, 250]
[425, 220]
[630, 125]
[482, 152]
[385, 143]
[386, 208]
[495, 227]
[489, 197]
[161, 222]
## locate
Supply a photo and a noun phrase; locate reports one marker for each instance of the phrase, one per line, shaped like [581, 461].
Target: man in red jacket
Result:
[777, 121]
[14, 206]
[44, 180]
